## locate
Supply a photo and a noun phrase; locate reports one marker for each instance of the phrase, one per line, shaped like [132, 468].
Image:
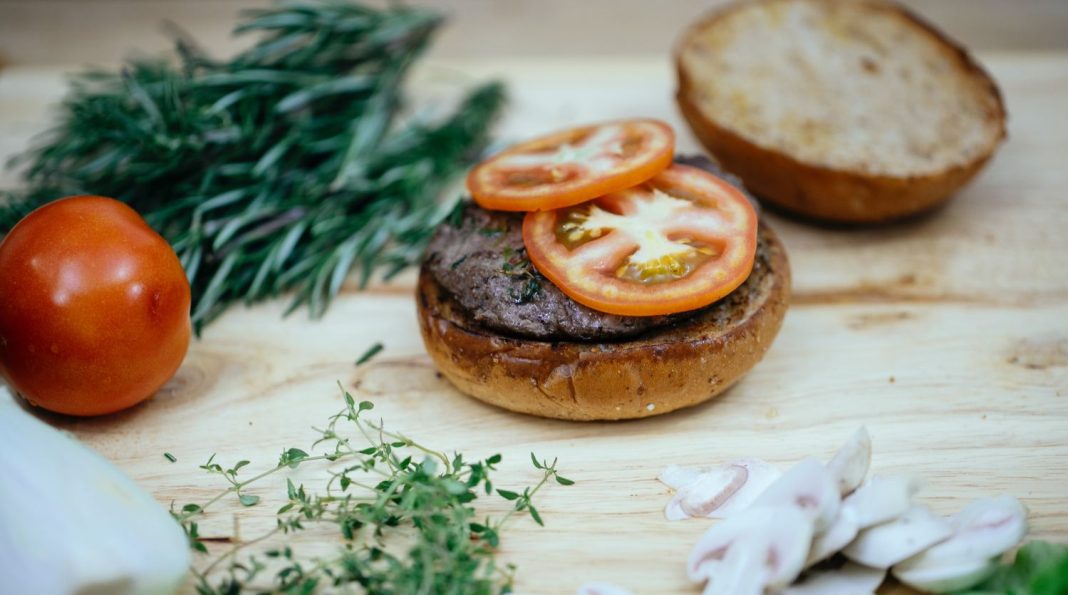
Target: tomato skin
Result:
[94, 307]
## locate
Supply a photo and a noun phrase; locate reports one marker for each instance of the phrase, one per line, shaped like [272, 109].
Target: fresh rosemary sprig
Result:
[403, 511]
[281, 169]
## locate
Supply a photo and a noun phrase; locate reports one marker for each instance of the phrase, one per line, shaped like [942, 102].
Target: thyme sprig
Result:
[403, 511]
[278, 170]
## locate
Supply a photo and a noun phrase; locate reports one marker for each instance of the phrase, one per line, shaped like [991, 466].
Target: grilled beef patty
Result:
[479, 258]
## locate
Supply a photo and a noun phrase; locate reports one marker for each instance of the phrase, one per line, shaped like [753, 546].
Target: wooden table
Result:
[946, 336]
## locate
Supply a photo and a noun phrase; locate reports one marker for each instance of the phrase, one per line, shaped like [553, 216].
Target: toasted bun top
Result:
[859, 85]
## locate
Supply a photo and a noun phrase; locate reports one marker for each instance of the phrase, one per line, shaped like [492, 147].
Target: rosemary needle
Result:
[372, 351]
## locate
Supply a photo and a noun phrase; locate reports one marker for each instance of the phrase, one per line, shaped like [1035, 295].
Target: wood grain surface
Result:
[946, 336]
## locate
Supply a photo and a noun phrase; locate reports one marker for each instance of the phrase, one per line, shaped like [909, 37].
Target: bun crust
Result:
[798, 160]
[660, 371]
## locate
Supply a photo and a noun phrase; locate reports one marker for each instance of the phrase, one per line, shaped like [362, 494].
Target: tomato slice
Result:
[678, 242]
[572, 166]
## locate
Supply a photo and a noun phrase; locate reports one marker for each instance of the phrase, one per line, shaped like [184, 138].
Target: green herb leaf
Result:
[248, 499]
[372, 351]
[170, 457]
[292, 457]
[1040, 568]
[388, 490]
[534, 515]
[507, 494]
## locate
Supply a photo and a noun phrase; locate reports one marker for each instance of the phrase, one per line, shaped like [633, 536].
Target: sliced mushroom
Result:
[716, 493]
[601, 589]
[850, 579]
[768, 545]
[983, 531]
[987, 527]
[741, 572]
[884, 545]
[717, 541]
[788, 540]
[706, 493]
[808, 486]
[761, 474]
[946, 578]
[849, 466]
[882, 499]
[837, 536]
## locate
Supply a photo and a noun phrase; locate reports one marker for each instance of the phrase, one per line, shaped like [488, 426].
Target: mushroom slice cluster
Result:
[770, 537]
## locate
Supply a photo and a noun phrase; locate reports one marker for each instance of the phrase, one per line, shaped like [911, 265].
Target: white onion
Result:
[70, 522]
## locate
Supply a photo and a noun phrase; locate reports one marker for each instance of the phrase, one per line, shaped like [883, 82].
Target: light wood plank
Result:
[947, 337]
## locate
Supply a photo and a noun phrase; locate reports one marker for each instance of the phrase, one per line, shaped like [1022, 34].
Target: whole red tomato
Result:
[94, 307]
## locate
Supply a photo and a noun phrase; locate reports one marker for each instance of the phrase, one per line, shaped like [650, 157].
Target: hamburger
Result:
[501, 331]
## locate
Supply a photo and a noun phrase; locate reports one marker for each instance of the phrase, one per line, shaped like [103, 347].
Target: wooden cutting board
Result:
[946, 336]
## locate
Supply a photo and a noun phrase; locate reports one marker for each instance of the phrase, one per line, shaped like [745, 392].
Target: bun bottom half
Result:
[662, 370]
